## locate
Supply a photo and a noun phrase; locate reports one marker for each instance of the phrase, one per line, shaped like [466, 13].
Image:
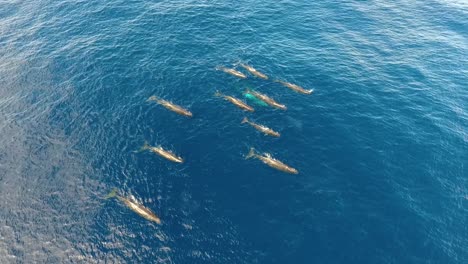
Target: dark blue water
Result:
[381, 145]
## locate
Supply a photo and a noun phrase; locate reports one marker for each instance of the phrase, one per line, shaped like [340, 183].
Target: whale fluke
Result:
[112, 194]
[250, 154]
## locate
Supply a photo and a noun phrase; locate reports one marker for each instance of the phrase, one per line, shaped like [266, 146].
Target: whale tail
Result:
[250, 154]
[245, 120]
[217, 93]
[239, 62]
[220, 68]
[145, 146]
[112, 194]
[154, 98]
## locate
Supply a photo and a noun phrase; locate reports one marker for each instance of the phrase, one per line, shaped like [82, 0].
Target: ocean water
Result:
[381, 145]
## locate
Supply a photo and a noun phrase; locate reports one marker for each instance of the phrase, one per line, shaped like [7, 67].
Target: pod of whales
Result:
[256, 97]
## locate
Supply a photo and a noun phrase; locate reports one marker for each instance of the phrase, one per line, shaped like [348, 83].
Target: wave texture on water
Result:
[381, 145]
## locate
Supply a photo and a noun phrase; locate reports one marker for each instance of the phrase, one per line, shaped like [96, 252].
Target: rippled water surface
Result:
[381, 145]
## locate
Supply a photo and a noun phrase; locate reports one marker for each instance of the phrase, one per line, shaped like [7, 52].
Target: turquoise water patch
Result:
[254, 99]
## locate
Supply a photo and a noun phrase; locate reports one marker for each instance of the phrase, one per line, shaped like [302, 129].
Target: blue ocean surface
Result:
[381, 145]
